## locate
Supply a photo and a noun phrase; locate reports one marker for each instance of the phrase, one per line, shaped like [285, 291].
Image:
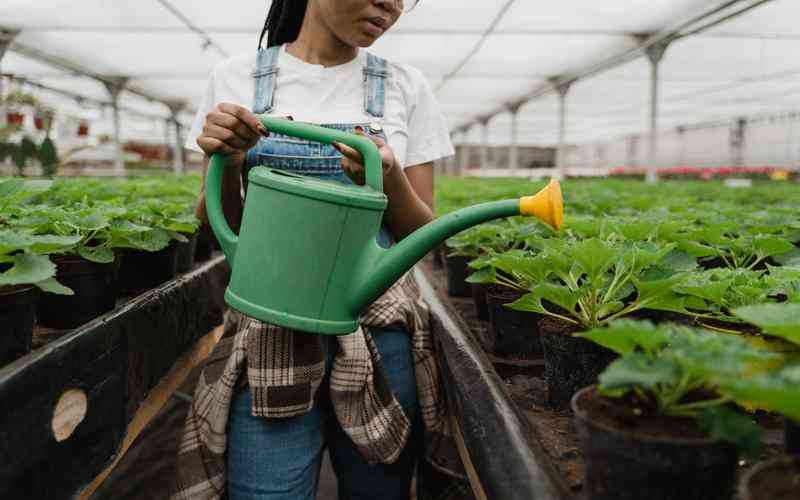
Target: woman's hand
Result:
[230, 129]
[353, 162]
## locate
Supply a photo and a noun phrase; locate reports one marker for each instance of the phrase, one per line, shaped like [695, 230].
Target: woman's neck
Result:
[316, 43]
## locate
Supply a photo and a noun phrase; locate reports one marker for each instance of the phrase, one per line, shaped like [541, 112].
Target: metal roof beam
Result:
[78, 70]
[692, 26]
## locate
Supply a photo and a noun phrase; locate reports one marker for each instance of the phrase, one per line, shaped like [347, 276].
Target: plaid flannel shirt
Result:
[284, 369]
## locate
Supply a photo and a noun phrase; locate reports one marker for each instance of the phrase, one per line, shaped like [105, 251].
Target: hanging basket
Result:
[43, 120]
[14, 118]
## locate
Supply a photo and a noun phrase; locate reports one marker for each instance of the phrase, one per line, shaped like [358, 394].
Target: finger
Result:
[230, 122]
[353, 170]
[348, 152]
[243, 115]
[211, 145]
[227, 136]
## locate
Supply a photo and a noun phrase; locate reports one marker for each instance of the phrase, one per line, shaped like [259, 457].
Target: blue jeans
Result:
[280, 459]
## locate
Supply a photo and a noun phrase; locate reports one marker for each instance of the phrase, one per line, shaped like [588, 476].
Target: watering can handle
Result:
[373, 167]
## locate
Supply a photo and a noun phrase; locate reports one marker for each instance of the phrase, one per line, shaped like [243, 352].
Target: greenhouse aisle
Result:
[145, 472]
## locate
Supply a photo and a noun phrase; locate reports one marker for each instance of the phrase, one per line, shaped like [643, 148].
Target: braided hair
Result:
[283, 22]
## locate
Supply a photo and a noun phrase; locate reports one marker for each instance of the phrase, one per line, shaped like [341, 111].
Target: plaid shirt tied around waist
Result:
[284, 368]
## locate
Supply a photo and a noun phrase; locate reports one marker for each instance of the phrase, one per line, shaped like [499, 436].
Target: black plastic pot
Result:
[516, 333]
[457, 273]
[621, 465]
[777, 479]
[570, 363]
[140, 271]
[95, 287]
[792, 436]
[17, 316]
[479, 297]
[186, 252]
[205, 245]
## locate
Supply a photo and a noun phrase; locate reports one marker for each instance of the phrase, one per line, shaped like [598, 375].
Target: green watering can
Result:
[307, 255]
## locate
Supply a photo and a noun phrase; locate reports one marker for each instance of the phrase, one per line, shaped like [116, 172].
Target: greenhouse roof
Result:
[481, 57]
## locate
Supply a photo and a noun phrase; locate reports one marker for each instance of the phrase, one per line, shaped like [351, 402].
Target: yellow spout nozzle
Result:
[547, 205]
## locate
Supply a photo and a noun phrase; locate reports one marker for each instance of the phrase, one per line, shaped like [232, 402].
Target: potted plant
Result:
[586, 284]
[25, 270]
[662, 423]
[509, 275]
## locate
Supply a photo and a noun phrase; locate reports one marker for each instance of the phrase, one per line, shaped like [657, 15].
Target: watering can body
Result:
[307, 255]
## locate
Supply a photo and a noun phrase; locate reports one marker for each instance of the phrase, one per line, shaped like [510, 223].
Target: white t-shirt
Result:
[414, 125]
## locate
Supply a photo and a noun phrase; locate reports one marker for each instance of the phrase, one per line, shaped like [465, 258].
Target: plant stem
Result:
[699, 405]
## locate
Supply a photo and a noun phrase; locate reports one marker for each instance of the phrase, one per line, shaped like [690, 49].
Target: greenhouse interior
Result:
[493, 250]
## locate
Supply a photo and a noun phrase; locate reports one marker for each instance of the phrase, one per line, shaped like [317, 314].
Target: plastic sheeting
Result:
[742, 67]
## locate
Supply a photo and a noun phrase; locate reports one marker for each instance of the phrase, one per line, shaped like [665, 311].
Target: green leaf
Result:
[777, 391]
[51, 243]
[725, 424]
[559, 295]
[626, 336]
[486, 275]
[771, 245]
[779, 320]
[529, 302]
[28, 269]
[696, 249]
[637, 370]
[12, 241]
[50, 285]
[99, 254]
[594, 256]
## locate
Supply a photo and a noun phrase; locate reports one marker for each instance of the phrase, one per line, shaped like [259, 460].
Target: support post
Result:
[561, 153]
[484, 143]
[655, 53]
[6, 38]
[175, 107]
[513, 149]
[737, 144]
[682, 147]
[115, 86]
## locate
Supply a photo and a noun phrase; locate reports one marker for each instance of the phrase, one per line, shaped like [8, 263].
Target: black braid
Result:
[283, 22]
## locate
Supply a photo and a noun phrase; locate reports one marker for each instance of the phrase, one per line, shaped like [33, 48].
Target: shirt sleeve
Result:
[207, 104]
[428, 132]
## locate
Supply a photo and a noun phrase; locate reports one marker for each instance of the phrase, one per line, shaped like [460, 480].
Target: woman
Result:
[271, 400]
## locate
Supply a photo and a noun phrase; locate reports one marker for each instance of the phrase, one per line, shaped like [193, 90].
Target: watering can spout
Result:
[388, 265]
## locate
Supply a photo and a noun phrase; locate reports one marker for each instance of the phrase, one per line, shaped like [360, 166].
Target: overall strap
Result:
[266, 75]
[375, 73]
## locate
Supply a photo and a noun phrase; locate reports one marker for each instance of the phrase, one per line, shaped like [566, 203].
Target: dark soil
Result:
[631, 415]
[778, 481]
[549, 325]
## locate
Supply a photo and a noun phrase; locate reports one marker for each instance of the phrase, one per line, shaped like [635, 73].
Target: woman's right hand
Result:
[230, 129]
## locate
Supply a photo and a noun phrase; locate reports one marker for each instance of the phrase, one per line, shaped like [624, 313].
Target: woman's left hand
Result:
[353, 162]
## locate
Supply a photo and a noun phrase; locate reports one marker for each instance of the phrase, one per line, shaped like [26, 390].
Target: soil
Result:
[778, 481]
[662, 317]
[549, 325]
[631, 415]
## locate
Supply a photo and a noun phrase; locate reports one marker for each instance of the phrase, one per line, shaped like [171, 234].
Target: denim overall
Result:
[271, 459]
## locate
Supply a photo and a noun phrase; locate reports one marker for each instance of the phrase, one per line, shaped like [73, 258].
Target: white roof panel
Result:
[491, 53]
